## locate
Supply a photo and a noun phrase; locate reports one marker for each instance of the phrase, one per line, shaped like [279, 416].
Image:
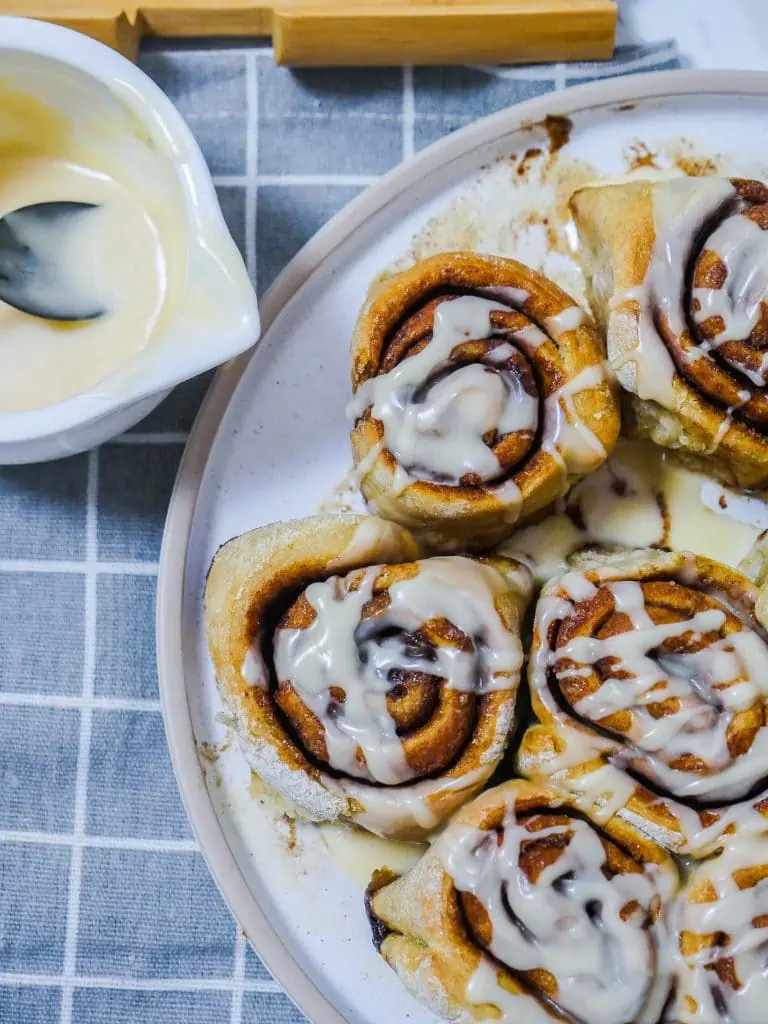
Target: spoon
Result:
[39, 254]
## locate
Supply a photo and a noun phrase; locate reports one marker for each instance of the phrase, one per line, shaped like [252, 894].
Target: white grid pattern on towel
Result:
[84, 748]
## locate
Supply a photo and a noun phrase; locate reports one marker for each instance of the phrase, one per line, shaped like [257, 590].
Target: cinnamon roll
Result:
[679, 279]
[479, 394]
[523, 910]
[365, 685]
[649, 676]
[721, 938]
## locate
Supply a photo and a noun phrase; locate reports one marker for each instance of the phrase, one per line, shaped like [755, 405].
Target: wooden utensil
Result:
[372, 32]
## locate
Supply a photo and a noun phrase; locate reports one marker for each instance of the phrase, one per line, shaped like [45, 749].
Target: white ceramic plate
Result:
[271, 442]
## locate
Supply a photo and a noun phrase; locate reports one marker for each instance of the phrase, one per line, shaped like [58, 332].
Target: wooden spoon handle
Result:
[371, 32]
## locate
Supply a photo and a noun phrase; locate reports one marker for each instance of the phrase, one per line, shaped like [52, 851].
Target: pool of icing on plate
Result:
[359, 853]
[643, 497]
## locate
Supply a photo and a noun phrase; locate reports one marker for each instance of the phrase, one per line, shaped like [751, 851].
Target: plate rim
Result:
[197, 800]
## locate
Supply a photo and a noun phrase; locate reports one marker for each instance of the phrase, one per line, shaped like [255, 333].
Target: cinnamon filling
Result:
[724, 348]
[382, 675]
[468, 390]
[563, 907]
[723, 939]
[670, 672]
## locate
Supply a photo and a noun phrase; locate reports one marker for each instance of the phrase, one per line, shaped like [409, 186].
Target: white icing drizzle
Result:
[370, 535]
[572, 922]
[680, 207]
[340, 649]
[253, 669]
[443, 432]
[577, 586]
[500, 354]
[567, 319]
[603, 792]
[532, 336]
[483, 989]
[607, 789]
[742, 247]
[711, 686]
[510, 495]
[389, 811]
[741, 915]
[722, 430]
[507, 294]
[368, 461]
[566, 436]
[438, 434]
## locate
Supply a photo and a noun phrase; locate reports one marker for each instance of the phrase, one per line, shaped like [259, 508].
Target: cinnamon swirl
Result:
[479, 394]
[522, 910]
[649, 674]
[364, 685]
[679, 279]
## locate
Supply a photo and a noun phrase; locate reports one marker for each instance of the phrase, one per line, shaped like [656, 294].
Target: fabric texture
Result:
[108, 914]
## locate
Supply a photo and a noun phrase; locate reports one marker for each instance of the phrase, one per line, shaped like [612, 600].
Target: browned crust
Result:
[617, 235]
[549, 739]
[421, 927]
[253, 571]
[471, 515]
[267, 568]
